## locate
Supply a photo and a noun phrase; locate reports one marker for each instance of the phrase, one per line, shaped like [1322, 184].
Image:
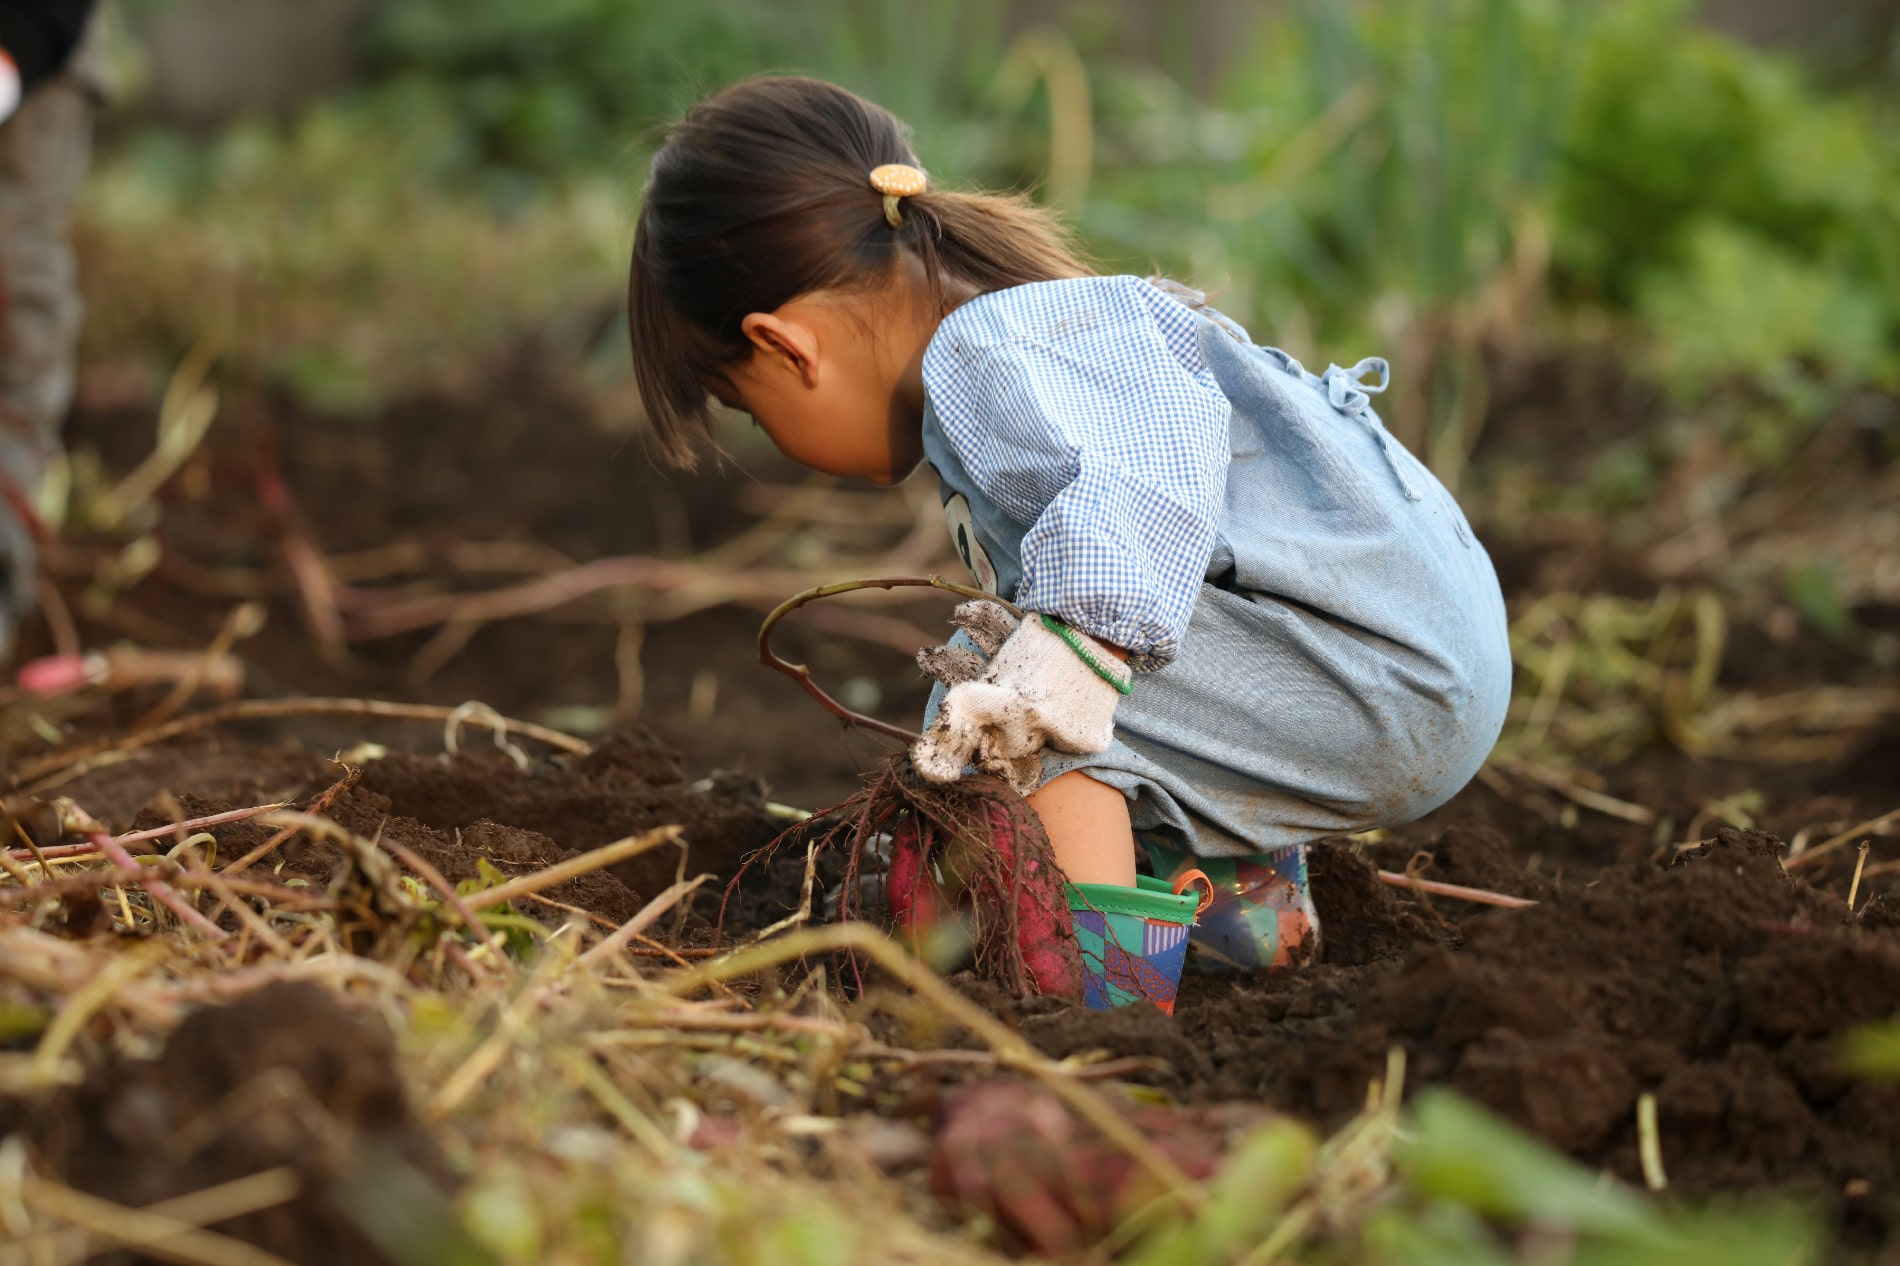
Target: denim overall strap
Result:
[1350, 393]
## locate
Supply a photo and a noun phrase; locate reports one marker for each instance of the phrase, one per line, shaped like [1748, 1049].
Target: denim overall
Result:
[1346, 665]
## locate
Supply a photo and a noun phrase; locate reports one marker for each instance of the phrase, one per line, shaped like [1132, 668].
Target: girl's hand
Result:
[1044, 685]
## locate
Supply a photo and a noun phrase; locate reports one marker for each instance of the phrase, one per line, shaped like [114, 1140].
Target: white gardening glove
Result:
[1037, 690]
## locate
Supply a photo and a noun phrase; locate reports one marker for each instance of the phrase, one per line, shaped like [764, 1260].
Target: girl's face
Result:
[836, 381]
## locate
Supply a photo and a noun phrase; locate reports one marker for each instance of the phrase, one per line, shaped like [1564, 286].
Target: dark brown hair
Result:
[762, 193]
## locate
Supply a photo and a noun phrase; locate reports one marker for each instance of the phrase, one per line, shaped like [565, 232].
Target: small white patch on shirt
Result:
[956, 513]
[9, 86]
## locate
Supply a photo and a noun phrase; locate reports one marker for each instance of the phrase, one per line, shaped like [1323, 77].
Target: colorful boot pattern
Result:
[1134, 940]
[1262, 914]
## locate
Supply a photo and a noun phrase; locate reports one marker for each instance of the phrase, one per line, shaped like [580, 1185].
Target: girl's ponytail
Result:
[989, 241]
[763, 193]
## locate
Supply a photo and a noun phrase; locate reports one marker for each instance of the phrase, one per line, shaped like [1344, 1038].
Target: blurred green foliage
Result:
[558, 84]
[1748, 219]
[1427, 179]
[1371, 177]
[342, 255]
[1469, 1173]
[1357, 154]
[549, 86]
[1448, 1184]
[1874, 1052]
[1422, 176]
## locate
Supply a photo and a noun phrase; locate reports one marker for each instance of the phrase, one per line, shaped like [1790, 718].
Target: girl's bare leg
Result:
[1088, 828]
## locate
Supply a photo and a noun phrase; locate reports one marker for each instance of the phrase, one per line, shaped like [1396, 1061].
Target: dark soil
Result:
[514, 462]
[1717, 982]
[285, 1076]
[626, 786]
[456, 813]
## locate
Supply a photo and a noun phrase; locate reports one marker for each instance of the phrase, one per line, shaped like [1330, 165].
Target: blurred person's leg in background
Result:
[44, 149]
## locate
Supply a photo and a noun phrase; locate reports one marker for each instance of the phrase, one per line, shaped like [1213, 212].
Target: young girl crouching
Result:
[1252, 619]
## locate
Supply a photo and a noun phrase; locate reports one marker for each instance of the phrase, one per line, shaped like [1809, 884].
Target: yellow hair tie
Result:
[894, 181]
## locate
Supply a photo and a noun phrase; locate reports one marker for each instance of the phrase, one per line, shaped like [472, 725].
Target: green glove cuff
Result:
[1118, 679]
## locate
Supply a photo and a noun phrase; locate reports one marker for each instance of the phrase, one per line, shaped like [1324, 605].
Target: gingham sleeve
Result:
[1083, 410]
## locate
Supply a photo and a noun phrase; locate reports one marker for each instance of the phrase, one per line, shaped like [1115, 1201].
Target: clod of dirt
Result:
[627, 785]
[458, 854]
[285, 1076]
[1361, 920]
[1472, 854]
[1060, 1029]
[455, 854]
[1880, 914]
[455, 812]
[208, 768]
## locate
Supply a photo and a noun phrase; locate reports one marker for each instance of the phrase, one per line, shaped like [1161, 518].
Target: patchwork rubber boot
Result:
[924, 891]
[1134, 940]
[1262, 914]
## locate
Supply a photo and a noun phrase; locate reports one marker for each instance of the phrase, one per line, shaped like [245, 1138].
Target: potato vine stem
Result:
[802, 675]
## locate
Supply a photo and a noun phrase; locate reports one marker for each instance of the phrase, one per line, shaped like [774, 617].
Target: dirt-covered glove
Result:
[1043, 685]
[988, 624]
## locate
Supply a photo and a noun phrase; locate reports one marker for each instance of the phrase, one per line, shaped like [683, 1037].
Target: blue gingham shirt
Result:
[1084, 410]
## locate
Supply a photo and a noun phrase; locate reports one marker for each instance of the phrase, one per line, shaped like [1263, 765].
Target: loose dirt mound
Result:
[285, 1077]
[456, 813]
[627, 785]
[1718, 983]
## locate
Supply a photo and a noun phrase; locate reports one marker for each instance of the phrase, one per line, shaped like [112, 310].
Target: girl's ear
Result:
[790, 344]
